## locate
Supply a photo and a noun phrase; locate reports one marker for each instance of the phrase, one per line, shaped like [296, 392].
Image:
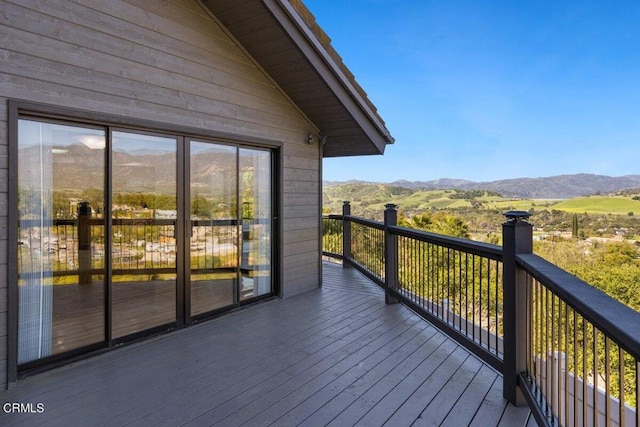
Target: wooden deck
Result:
[336, 356]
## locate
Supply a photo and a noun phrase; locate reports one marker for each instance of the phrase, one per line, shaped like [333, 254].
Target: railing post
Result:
[517, 238]
[84, 243]
[346, 234]
[390, 253]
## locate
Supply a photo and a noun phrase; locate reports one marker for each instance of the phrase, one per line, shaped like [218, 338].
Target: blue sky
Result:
[487, 90]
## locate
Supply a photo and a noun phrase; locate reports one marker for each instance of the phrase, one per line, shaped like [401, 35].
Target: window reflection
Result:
[144, 214]
[255, 191]
[62, 254]
[214, 226]
[61, 238]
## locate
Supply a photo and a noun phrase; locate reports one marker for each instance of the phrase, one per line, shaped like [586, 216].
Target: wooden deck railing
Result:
[569, 351]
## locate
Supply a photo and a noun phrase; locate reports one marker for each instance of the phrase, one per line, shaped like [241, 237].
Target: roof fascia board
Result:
[302, 36]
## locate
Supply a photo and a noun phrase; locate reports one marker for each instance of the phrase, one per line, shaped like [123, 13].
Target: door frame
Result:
[18, 109]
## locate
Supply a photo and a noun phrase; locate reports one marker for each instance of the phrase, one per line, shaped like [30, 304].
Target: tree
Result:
[439, 222]
[450, 225]
[419, 222]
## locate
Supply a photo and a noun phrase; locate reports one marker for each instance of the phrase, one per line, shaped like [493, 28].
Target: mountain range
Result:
[553, 187]
[78, 167]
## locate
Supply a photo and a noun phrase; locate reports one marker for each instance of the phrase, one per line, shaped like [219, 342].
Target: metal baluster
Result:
[637, 393]
[473, 296]
[535, 335]
[481, 269]
[566, 364]
[562, 414]
[497, 286]
[433, 279]
[552, 351]
[547, 387]
[459, 291]
[414, 272]
[438, 298]
[544, 365]
[451, 277]
[575, 368]
[466, 294]
[489, 304]
[596, 374]
[585, 389]
[529, 350]
[621, 379]
[423, 258]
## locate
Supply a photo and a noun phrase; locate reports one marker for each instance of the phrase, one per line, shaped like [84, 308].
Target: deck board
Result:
[333, 356]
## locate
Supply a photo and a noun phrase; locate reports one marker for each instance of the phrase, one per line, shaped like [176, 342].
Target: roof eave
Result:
[382, 136]
[310, 73]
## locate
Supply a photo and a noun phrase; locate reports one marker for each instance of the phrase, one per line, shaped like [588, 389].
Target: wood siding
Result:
[168, 62]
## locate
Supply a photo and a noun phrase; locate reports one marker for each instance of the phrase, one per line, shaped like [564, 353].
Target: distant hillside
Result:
[135, 171]
[369, 200]
[553, 187]
[600, 205]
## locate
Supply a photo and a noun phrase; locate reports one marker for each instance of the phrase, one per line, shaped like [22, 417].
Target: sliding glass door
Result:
[61, 230]
[257, 214]
[123, 233]
[230, 229]
[144, 215]
[213, 248]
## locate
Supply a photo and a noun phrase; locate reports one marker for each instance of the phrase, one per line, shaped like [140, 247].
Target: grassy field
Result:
[521, 204]
[600, 205]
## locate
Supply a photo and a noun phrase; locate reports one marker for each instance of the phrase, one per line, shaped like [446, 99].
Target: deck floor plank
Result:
[514, 416]
[492, 408]
[352, 351]
[372, 396]
[446, 397]
[340, 374]
[333, 356]
[472, 398]
[407, 400]
[248, 375]
[316, 355]
[346, 397]
[352, 379]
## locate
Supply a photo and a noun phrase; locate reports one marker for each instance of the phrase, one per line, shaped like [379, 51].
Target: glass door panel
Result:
[256, 218]
[144, 217]
[213, 245]
[61, 238]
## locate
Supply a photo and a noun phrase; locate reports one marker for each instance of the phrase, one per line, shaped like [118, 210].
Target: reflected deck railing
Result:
[567, 350]
[141, 246]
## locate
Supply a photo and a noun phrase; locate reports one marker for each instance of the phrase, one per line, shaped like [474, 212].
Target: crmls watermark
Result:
[23, 408]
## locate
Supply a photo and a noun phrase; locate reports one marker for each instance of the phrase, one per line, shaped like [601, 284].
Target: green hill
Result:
[368, 199]
[600, 205]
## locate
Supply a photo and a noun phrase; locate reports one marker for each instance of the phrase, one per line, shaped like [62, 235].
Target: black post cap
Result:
[515, 216]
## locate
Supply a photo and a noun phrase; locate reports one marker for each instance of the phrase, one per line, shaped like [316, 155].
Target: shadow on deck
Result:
[335, 356]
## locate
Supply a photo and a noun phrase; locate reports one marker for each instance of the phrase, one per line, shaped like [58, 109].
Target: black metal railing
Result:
[566, 349]
[332, 236]
[582, 347]
[457, 284]
[367, 247]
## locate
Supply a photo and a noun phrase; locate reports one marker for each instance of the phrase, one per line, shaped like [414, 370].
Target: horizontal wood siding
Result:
[169, 62]
[4, 228]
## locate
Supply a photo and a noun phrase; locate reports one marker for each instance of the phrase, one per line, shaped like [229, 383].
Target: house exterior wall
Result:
[168, 62]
